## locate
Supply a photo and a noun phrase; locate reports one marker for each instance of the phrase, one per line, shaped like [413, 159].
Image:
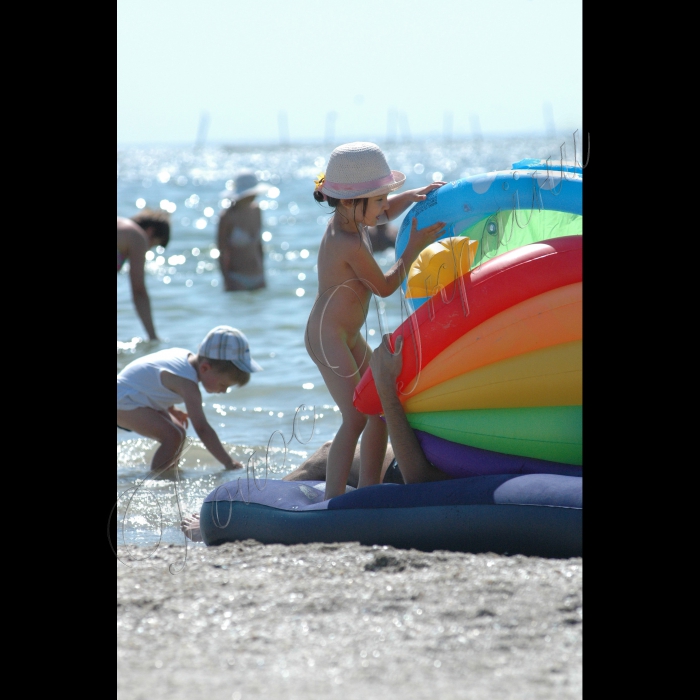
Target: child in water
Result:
[135, 237]
[356, 185]
[148, 388]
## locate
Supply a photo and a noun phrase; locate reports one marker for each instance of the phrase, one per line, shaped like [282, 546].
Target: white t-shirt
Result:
[139, 384]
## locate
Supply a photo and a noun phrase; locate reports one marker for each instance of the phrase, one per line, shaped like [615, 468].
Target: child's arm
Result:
[138, 247]
[178, 415]
[413, 464]
[398, 203]
[381, 283]
[192, 397]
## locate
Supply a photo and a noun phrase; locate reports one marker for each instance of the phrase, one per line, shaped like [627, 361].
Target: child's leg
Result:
[157, 426]
[372, 451]
[314, 467]
[341, 378]
[375, 435]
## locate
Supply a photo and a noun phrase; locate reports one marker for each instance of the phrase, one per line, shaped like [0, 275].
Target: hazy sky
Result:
[266, 71]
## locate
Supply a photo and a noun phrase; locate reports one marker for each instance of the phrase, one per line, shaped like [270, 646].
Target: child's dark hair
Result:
[333, 202]
[159, 220]
[227, 368]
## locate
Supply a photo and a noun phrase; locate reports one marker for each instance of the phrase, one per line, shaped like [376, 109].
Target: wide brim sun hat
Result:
[227, 343]
[359, 169]
[245, 184]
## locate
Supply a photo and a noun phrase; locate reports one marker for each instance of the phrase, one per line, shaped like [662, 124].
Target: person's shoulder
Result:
[180, 352]
[170, 360]
[343, 237]
[251, 211]
[130, 229]
[345, 244]
[126, 223]
[167, 354]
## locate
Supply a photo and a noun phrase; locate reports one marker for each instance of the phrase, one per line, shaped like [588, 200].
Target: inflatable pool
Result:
[530, 514]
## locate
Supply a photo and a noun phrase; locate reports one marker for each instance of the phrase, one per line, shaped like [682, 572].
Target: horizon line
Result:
[292, 143]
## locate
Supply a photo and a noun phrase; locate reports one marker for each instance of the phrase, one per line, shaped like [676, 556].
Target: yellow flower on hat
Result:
[320, 180]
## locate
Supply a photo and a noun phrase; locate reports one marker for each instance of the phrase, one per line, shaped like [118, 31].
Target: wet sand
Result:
[245, 620]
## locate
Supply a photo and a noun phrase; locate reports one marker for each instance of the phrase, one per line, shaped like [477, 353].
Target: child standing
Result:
[356, 185]
[148, 388]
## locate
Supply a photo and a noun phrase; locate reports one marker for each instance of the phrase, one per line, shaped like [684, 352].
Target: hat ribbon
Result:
[361, 186]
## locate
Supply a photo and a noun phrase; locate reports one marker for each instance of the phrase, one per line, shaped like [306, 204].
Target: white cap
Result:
[226, 343]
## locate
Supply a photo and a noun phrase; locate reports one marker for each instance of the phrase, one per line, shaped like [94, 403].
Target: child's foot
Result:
[190, 526]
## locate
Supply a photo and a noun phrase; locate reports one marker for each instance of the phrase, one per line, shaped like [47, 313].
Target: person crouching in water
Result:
[149, 387]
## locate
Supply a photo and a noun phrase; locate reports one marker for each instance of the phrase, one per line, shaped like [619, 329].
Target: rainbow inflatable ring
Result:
[492, 356]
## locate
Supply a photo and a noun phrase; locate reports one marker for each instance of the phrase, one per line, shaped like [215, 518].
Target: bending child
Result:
[135, 237]
[148, 388]
[356, 185]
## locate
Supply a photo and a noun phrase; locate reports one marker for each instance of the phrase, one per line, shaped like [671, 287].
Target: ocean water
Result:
[285, 412]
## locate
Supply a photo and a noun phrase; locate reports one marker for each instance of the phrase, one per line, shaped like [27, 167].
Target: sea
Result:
[285, 412]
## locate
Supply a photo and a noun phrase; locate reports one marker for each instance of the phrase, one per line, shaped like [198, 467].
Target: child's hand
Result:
[422, 238]
[233, 464]
[421, 193]
[179, 416]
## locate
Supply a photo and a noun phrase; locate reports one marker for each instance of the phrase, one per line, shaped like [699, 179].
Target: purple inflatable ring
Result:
[462, 460]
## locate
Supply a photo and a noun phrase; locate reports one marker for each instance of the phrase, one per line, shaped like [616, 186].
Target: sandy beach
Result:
[246, 620]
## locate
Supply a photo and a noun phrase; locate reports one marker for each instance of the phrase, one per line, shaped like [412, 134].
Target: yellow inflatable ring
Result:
[439, 264]
[546, 377]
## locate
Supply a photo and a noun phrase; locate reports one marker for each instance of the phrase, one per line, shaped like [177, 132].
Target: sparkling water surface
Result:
[285, 412]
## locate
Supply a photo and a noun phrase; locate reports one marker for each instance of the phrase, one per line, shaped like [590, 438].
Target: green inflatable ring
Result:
[553, 433]
[513, 229]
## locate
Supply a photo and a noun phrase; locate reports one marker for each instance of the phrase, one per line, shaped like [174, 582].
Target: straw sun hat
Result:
[245, 185]
[359, 169]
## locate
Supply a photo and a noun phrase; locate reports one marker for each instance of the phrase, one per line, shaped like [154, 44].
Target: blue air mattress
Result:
[530, 514]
